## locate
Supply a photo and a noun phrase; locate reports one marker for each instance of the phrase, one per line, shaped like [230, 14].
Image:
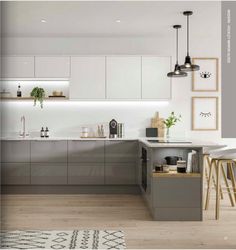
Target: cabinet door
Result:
[86, 173]
[120, 173]
[48, 151]
[52, 66]
[86, 151]
[88, 79]
[15, 151]
[123, 76]
[121, 151]
[14, 66]
[155, 83]
[15, 173]
[48, 173]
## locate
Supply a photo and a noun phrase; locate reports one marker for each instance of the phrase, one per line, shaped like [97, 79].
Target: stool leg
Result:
[209, 184]
[213, 179]
[232, 177]
[227, 185]
[217, 214]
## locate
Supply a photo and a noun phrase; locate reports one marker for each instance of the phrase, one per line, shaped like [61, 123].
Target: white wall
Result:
[136, 116]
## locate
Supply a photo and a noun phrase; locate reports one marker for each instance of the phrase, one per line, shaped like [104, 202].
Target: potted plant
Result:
[38, 94]
[170, 122]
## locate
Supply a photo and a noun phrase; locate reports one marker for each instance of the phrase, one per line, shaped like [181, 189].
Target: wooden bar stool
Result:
[207, 166]
[217, 161]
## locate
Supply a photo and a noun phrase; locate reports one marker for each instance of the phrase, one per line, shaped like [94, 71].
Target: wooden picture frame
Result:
[207, 78]
[205, 113]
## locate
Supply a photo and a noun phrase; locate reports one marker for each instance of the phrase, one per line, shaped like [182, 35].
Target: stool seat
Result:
[224, 154]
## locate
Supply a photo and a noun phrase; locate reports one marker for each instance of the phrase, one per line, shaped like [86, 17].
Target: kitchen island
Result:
[74, 165]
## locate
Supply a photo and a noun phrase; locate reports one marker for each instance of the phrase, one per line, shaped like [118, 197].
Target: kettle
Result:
[172, 160]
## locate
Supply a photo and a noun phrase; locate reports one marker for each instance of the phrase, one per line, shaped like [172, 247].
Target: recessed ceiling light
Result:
[118, 21]
[43, 21]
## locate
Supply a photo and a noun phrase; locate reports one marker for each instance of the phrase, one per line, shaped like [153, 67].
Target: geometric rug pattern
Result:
[73, 239]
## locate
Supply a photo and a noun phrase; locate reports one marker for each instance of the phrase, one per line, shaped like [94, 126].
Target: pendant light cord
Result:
[187, 35]
[177, 46]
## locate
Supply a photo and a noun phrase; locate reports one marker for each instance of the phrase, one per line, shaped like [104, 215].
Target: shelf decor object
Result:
[188, 66]
[204, 113]
[38, 94]
[206, 80]
[177, 71]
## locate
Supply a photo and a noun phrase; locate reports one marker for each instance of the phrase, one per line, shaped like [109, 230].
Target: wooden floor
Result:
[125, 212]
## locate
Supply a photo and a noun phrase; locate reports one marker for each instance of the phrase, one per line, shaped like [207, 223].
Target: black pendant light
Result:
[188, 66]
[177, 71]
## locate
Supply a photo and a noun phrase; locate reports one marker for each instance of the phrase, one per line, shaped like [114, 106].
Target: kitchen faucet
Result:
[23, 133]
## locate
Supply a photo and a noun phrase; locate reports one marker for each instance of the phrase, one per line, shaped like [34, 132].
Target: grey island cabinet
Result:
[171, 196]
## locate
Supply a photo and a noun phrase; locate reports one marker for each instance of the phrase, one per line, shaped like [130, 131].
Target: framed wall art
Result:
[207, 78]
[204, 113]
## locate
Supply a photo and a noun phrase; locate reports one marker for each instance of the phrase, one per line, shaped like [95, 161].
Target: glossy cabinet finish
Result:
[121, 162]
[17, 66]
[123, 75]
[52, 66]
[88, 77]
[48, 151]
[86, 173]
[86, 151]
[121, 151]
[15, 151]
[155, 83]
[120, 173]
[48, 173]
[15, 173]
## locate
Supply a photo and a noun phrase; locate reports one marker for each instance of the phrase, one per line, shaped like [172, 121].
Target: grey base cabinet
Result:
[48, 173]
[120, 173]
[86, 173]
[121, 162]
[15, 173]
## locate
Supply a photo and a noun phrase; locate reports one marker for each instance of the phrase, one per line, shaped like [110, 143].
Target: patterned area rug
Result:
[76, 239]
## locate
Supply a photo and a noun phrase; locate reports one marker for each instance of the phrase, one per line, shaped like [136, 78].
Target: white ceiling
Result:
[72, 19]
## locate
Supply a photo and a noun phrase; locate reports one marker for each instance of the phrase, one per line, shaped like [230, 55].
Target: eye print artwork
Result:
[205, 114]
[205, 74]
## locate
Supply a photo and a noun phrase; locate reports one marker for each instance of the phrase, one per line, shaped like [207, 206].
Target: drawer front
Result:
[15, 151]
[49, 151]
[86, 173]
[15, 173]
[48, 173]
[120, 173]
[121, 151]
[177, 192]
[86, 151]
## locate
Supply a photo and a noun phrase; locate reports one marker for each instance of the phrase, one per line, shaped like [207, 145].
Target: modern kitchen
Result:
[112, 126]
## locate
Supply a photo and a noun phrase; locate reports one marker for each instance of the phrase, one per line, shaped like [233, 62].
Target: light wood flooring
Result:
[126, 212]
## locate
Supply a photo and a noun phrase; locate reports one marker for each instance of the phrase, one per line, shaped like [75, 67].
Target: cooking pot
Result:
[172, 160]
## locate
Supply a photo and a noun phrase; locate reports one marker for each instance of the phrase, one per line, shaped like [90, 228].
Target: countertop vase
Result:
[167, 133]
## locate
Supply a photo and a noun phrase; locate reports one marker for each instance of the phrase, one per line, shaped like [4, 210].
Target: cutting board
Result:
[157, 122]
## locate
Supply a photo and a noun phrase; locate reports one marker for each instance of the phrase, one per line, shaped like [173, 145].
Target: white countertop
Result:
[173, 142]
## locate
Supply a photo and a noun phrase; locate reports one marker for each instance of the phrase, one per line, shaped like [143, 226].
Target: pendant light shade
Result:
[177, 71]
[188, 66]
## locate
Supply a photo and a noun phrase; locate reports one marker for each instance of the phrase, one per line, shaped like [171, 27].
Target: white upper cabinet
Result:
[52, 67]
[88, 77]
[17, 66]
[123, 75]
[155, 83]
